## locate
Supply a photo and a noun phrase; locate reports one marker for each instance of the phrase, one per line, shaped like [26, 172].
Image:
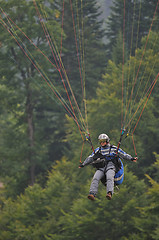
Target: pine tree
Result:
[133, 20]
[84, 52]
[40, 122]
[29, 133]
[147, 223]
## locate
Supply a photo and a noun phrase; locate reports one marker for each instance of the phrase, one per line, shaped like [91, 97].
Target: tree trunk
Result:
[29, 112]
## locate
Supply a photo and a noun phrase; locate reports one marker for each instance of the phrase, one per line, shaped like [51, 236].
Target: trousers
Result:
[99, 174]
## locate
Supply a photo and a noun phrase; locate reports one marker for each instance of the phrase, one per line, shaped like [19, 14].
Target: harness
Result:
[102, 161]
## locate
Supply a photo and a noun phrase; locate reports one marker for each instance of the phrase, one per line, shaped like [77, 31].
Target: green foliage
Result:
[36, 213]
[134, 21]
[23, 218]
[95, 219]
[84, 52]
[148, 221]
[61, 212]
[31, 130]
[39, 124]
[117, 51]
[58, 208]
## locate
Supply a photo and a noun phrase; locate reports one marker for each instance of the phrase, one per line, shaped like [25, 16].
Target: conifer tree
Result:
[39, 121]
[29, 134]
[84, 54]
[134, 20]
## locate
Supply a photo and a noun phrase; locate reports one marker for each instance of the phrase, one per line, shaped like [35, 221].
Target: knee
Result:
[96, 180]
[110, 176]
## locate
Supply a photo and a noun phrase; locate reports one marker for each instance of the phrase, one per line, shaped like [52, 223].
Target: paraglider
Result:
[71, 105]
[107, 160]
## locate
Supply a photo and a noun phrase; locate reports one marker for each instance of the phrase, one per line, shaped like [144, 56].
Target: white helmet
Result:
[103, 137]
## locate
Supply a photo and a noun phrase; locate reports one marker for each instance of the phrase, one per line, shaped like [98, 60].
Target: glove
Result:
[97, 155]
[134, 159]
[81, 165]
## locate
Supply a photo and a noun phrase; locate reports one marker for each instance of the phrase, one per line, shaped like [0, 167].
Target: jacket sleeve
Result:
[90, 158]
[124, 155]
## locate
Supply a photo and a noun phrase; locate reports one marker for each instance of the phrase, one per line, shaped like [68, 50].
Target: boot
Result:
[91, 197]
[109, 196]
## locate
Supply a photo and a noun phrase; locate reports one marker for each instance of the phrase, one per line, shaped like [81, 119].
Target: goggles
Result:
[102, 140]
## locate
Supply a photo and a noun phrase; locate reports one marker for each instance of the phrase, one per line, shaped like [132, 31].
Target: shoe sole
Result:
[108, 197]
[91, 197]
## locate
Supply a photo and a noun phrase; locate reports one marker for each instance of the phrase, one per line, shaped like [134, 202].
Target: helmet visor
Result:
[102, 140]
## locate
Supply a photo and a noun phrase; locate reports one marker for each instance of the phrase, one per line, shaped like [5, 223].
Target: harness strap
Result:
[106, 159]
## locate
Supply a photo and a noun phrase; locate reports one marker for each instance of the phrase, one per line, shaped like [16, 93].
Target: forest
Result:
[68, 74]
